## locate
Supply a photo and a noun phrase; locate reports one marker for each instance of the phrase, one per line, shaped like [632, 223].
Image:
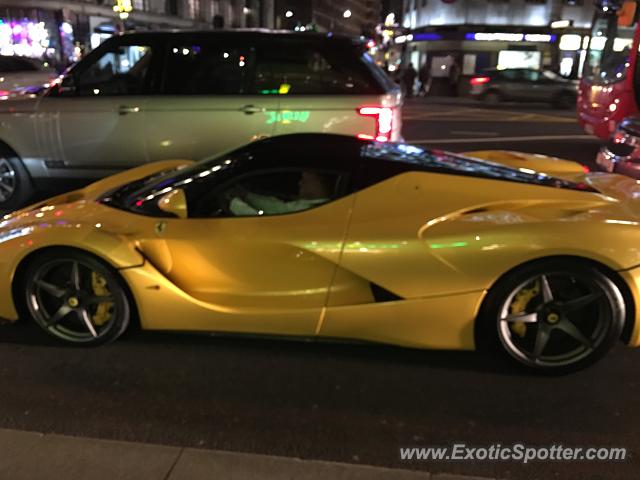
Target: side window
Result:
[206, 69]
[306, 70]
[273, 192]
[511, 75]
[123, 71]
[531, 75]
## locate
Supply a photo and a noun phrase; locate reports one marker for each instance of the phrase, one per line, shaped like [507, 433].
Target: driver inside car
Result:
[313, 191]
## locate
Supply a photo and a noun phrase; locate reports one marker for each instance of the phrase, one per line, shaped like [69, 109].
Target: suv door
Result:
[207, 103]
[94, 122]
[322, 85]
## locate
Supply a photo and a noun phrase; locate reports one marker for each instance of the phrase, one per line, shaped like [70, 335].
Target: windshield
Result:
[609, 47]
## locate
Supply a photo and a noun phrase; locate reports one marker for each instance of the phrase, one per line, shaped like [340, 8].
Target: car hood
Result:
[79, 204]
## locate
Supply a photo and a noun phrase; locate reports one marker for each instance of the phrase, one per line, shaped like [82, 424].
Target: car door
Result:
[260, 249]
[207, 104]
[94, 122]
[512, 84]
[535, 89]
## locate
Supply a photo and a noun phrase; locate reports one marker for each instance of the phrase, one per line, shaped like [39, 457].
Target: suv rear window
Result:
[312, 69]
[207, 68]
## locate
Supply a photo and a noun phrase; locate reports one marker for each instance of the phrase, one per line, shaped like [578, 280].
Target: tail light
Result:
[384, 122]
[479, 80]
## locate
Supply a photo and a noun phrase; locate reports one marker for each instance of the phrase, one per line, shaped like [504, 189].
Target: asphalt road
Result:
[352, 403]
[464, 125]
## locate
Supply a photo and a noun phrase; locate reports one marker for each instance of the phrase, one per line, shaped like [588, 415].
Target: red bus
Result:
[609, 86]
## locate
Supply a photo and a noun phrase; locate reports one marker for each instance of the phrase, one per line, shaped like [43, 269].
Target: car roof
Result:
[385, 160]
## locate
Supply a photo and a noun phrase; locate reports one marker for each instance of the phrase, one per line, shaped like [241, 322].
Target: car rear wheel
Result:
[554, 316]
[76, 298]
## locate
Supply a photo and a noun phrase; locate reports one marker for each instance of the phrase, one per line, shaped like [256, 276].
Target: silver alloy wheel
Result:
[7, 180]
[73, 300]
[561, 325]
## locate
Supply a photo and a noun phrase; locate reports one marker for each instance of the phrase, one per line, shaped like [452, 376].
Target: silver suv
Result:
[143, 97]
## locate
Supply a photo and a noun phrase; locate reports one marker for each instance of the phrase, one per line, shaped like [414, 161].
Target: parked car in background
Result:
[143, 97]
[23, 75]
[524, 85]
[622, 153]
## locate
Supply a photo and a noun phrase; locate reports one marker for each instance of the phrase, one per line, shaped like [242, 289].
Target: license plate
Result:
[606, 163]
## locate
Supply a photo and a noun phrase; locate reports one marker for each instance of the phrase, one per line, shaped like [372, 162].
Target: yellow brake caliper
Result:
[104, 310]
[519, 305]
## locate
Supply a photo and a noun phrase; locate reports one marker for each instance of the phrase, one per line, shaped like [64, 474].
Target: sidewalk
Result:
[34, 456]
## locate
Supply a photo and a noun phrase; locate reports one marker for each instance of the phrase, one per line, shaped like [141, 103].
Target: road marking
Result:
[483, 115]
[502, 139]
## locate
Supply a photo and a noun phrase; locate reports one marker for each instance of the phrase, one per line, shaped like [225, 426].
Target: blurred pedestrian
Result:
[424, 75]
[408, 80]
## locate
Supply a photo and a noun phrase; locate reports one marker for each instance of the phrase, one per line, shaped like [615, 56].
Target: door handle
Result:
[251, 109]
[126, 109]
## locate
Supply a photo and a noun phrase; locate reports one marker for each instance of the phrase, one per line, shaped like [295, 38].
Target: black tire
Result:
[74, 297]
[558, 330]
[565, 101]
[16, 187]
[493, 97]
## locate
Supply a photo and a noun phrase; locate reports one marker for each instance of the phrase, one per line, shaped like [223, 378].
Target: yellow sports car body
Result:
[334, 237]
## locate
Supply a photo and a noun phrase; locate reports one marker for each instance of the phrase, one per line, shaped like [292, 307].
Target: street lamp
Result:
[123, 8]
[288, 14]
[347, 14]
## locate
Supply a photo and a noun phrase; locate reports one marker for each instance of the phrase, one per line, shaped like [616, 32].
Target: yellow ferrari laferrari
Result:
[335, 237]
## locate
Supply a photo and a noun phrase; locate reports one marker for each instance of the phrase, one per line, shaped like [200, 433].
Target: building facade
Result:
[349, 17]
[478, 34]
[61, 30]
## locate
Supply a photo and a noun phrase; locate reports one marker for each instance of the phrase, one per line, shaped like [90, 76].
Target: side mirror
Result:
[175, 203]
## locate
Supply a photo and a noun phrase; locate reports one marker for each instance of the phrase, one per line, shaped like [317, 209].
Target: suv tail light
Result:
[384, 122]
[479, 80]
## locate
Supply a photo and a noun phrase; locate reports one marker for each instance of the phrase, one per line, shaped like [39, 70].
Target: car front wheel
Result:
[75, 298]
[16, 188]
[554, 316]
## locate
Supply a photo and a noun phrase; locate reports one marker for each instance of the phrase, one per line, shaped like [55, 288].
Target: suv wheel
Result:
[16, 187]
